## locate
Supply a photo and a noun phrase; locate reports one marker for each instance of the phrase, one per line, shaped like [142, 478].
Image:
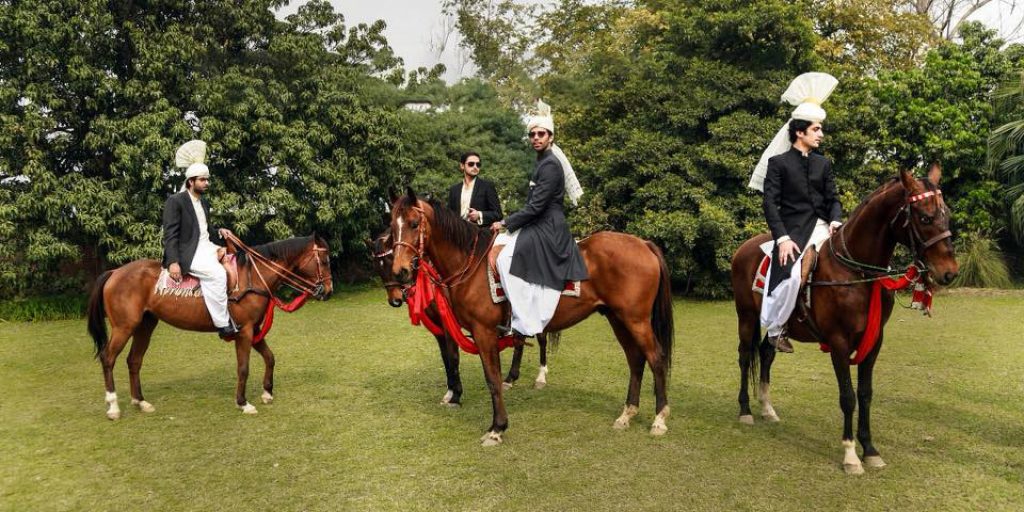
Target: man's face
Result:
[471, 167]
[812, 137]
[540, 139]
[200, 184]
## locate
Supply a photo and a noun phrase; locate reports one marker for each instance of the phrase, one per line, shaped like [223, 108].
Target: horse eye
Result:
[926, 219]
[414, 224]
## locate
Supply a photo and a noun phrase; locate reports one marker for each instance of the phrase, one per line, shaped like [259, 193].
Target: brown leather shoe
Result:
[781, 344]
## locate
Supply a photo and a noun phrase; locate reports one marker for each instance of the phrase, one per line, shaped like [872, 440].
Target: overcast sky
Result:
[416, 29]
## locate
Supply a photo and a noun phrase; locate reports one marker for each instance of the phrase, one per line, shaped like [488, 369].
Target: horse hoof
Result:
[771, 417]
[658, 429]
[506, 386]
[747, 419]
[621, 424]
[539, 384]
[853, 469]
[491, 439]
[267, 397]
[874, 461]
[248, 409]
[113, 415]
[144, 406]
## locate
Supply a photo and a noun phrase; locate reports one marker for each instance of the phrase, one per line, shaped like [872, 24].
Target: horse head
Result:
[382, 249]
[926, 219]
[410, 229]
[314, 265]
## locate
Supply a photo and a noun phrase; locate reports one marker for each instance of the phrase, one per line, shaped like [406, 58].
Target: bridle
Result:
[457, 278]
[299, 283]
[381, 256]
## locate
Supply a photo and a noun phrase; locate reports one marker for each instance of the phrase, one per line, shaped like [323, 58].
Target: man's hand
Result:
[225, 233]
[175, 272]
[833, 227]
[221, 252]
[473, 215]
[497, 226]
[788, 251]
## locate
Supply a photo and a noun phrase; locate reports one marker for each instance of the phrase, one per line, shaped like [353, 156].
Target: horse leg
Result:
[513, 370]
[491, 360]
[636, 361]
[243, 348]
[118, 338]
[450, 358]
[864, 391]
[847, 402]
[643, 334]
[767, 352]
[268, 370]
[750, 334]
[542, 373]
[140, 343]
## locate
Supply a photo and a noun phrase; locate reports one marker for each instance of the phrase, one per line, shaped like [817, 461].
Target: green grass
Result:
[357, 424]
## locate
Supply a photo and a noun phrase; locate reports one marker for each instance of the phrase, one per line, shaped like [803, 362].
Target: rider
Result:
[540, 254]
[800, 202]
[474, 198]
[189, 246]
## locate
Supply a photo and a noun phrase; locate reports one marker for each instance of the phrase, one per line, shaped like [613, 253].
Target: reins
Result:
[457, 278]
[299, 283]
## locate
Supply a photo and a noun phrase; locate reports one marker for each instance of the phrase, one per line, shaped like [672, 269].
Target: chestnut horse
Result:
[629, 284]
[903, 211]
[383, 260]
[126, 297]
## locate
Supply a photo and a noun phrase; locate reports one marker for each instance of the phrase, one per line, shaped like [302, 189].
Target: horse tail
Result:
[97, 313]
[661, 313]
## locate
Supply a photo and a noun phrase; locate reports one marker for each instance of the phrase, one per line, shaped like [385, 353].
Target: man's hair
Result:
[467, 154]
[797, 125]
[190, 182]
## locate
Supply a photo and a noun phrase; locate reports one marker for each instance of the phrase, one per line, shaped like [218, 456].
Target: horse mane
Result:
[452, 226]
[870, 197]
[280, 250]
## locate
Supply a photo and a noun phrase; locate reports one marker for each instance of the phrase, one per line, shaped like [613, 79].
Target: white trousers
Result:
[776, 308]
[214, 282]
[533, 305]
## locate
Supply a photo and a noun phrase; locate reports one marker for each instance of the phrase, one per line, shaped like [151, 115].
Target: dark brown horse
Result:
[903, 211]
[126, 297]
[629, 284]
[383, 261]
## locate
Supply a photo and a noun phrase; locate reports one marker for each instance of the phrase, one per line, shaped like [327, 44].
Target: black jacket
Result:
[798, 191]
[484, 200]
[545, 252]
[181, 230]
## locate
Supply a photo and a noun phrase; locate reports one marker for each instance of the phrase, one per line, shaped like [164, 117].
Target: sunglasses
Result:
[538, 134]
[478, 165]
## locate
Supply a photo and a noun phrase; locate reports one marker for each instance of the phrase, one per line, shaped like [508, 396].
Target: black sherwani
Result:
[798, 191]
[484, 200]
[545, 252]
[181, 230]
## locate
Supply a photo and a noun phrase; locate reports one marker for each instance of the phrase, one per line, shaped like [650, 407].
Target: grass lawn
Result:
[357, 423]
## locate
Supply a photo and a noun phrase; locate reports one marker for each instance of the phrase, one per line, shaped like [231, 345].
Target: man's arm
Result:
[454, 199]
[492, 206]
[549, 179]
[172, 230]
[772, 201]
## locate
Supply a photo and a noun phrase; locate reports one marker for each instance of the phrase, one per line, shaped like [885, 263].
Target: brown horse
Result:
[383, 261]
[126, 297]
[629, 284]
[902, 211]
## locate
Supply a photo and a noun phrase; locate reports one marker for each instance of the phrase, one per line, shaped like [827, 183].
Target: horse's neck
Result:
[447, 257]
[868, 236]
[270, 278]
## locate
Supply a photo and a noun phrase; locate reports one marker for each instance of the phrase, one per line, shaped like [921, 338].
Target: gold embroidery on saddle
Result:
[572, 288]
[189, 286]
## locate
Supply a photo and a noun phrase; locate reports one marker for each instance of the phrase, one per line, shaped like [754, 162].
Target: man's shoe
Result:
[781, 344]
[228, 333]
[505, 330]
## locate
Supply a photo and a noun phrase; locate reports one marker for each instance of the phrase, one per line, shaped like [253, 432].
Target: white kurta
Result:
[533, 305]
[212, 278]
[777, 307]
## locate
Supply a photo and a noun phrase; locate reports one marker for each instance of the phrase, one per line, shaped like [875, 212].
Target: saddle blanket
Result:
[189, 286]
[572, 288]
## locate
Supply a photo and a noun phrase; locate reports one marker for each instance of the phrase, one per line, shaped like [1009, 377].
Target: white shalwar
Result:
[776, 308]
[533, 305]
[213, 279]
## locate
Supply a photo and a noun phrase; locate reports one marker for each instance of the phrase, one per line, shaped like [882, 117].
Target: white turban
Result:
[192, 156]
[541, 118]
[807, 92]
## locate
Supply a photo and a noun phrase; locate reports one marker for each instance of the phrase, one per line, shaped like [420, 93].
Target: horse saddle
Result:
[189, 285]
[808, 263]
[572, 288]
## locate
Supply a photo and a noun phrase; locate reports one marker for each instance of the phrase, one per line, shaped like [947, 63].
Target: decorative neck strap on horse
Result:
[427, 291]
[922, 299]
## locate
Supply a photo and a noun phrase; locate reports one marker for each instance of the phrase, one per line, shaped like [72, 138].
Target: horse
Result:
[904, 211]
[383, 258]
[629, 284]
[127, 297]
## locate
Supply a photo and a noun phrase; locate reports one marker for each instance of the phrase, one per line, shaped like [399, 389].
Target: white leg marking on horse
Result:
[266, 397]
[143, 405]
[506, 386]
[874, 461]
[113, 411]
[542, 378]
[447, 398]
[491, 438]
[747, 419]
[622, 422]
[851, 463]
[248, 408]
[659, 427]
[767, 411]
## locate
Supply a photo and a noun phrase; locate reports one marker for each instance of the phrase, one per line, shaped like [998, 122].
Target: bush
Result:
[37, 309]
[981, 263]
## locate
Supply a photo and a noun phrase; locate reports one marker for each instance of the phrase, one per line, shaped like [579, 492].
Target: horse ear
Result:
[907, 177]
[392, 194]
[411, 193]
[935, 173]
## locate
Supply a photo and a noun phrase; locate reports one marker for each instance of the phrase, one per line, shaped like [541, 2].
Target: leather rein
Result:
[467, 271]
[299, 283]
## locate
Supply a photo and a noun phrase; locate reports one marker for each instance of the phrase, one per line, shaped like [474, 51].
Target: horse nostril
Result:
[395, 302]
[949, 277]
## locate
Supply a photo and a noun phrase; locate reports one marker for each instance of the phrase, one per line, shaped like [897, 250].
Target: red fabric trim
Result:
[268, 316]
[425, 292]
[870, 336]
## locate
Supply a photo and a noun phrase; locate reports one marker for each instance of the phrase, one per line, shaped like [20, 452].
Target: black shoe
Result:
[505, 330]
[228, 333]
[781, 344]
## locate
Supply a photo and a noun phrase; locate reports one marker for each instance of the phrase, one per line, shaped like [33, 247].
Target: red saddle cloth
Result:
[189, 285]
[761, 275]
[572, 288]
